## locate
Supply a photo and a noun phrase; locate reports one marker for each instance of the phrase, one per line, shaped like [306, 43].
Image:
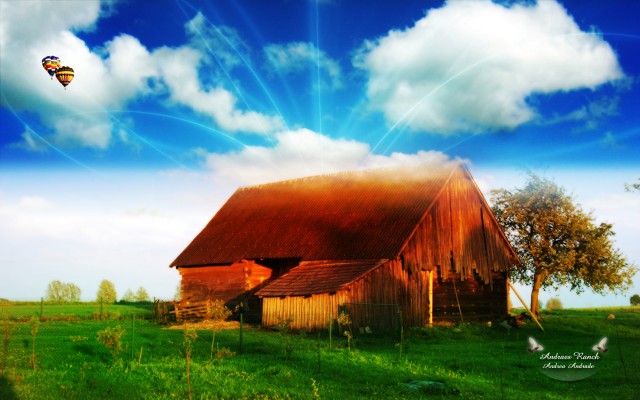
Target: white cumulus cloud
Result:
[180, 73]
[302, 153]
[107, 78]
[78, 115]
[473, 64]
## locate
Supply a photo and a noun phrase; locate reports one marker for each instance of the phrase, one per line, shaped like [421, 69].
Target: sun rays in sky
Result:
[177, 103]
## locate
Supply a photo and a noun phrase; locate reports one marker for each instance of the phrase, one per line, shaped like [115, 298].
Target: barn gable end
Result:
[459, 235]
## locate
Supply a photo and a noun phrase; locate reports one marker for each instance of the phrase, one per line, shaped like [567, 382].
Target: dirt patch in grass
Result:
[207, 325]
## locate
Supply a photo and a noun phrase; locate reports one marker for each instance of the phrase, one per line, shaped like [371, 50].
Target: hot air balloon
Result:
[51, 64]
[65, 75]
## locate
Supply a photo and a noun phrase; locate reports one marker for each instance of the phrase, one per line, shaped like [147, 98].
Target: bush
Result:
[112, 339]
[224, 353]
[554, 304]
[217, 311]
[635, 300]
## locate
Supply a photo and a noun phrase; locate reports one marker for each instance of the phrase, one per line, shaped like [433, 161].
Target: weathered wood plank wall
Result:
[459, 227]
[221, 282]
[305, 313]
[478, 301]
[392, 284]
[384, 285]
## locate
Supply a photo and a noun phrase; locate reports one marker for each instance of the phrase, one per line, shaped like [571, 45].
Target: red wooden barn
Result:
[420, 240]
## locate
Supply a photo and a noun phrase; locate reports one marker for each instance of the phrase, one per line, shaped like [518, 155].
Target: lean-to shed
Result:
[417, 239]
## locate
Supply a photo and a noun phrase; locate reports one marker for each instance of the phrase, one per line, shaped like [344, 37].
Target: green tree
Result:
[55, 292]
[630, 187]
[72, 293]
[557, 242]
[178, 295]
[554, 304]
[141, 294]
[60, 292]
[129, 296]
[635, 300]
[106, 292]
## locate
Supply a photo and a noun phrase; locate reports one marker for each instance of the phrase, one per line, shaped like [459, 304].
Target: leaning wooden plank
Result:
[525, 305]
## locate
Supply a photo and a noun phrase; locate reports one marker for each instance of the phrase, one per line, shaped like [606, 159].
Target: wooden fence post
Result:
[241, 324]
[133, 332]
[330, 331]
[430, 298]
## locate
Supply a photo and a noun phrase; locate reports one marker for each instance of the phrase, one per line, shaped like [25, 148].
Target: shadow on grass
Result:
[85, 349]
[6, 389]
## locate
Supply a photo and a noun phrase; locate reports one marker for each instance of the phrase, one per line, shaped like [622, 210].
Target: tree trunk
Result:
[537, 283]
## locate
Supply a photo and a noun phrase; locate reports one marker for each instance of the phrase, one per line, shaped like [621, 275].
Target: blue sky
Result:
[176, 103]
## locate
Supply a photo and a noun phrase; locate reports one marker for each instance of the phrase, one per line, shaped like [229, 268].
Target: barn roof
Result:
[315, 277]
[362, 215]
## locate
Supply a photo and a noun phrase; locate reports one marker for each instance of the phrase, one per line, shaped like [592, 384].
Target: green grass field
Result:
[465, 362]
[71, 311]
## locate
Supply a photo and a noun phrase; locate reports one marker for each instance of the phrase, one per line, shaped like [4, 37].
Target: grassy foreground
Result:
[62, 359]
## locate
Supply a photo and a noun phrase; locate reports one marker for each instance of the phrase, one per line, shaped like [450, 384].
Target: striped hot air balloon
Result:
[51, 64]
[65, 75]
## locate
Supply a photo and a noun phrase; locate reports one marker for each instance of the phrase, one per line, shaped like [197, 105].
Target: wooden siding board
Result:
[454, 225]
[227, 283]
[305, 313]
[477, 300]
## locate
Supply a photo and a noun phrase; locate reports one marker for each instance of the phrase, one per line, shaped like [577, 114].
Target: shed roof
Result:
[313, 277]
[362, 215]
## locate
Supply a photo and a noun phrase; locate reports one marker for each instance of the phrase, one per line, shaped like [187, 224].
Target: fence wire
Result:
[372, 318]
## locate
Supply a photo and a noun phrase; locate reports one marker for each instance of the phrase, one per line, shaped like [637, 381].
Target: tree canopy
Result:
[60, 292]
[558, 243]
[141, 294]
[630, 187]
[178, 295]
[129, 296]
[106, 292]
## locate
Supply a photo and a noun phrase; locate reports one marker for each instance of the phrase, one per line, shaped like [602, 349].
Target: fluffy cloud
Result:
[78, 115]
[18, 21]
[106, 79]
[299, 56]
[472, 64]
[303, 153]
[180, 74]
[296, 153]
